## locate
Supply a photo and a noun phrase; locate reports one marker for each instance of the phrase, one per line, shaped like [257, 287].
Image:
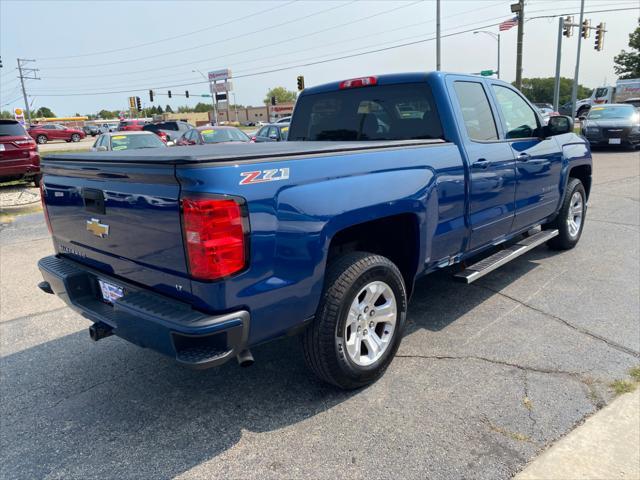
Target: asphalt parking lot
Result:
[488, 375]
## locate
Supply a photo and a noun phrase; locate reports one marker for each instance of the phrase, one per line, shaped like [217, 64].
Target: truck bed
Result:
[234, 152]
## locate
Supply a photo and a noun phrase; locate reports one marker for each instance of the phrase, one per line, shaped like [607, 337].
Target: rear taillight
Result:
[44, 206]
[29, 144]
[215, 231]
[358, 82]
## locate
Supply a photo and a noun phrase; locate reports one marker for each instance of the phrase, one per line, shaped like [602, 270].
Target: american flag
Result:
[507, 24]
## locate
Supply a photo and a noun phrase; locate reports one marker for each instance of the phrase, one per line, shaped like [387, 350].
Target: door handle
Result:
[524, 157]
[480, 163]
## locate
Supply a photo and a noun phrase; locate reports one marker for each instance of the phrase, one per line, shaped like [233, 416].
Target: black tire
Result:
[583, 111]
[565, 240]
[323, 341]
[36, 179]
[75, 137]
[41, 139]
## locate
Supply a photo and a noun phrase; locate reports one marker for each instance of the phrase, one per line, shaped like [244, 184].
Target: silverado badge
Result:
[98, 229]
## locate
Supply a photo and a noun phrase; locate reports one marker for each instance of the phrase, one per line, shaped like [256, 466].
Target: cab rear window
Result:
[382, 112]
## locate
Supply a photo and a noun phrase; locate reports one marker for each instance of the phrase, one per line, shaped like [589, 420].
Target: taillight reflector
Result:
[358, 82]
[44, 206]
[214, 233]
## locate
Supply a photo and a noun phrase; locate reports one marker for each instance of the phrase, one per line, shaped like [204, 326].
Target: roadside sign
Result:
[219, 75]
[221, 96]
[223, 87]
[18, 114]
[487, 73]
[206, 95]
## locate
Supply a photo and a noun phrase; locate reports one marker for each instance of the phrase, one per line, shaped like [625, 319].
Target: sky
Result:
[95, 54]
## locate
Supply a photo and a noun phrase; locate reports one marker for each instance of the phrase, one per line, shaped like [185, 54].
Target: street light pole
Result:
[213, 96]
[574, 89]
[235, 105]
[497, 38]
[438, 35]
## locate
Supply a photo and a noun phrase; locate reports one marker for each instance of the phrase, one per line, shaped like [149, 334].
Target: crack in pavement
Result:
[527, 402]
[595, 336]
[614, 223]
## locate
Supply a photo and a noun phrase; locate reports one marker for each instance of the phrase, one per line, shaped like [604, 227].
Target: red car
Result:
[44, 133]
[131, 125]
[18, 153]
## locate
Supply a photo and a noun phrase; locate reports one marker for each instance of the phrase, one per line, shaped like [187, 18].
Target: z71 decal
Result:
[261, 176]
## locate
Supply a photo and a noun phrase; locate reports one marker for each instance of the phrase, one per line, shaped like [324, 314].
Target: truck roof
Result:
[236, 152]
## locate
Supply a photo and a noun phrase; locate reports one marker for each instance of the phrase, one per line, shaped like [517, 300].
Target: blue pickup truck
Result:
[204, 252]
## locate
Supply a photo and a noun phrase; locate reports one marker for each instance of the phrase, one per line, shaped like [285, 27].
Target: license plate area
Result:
[615, 141]
[109, 291]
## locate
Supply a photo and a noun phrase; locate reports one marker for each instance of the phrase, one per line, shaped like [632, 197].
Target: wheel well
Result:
[394, 237]
[582, 173]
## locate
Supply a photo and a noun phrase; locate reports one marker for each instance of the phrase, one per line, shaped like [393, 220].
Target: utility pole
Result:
[574, 89]
[26, 74]
[556, 85]
[519, 9]
[438, 35]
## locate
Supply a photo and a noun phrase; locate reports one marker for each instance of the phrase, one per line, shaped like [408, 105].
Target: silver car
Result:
[118, 141]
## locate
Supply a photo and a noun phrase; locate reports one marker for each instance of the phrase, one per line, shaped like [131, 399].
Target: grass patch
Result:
[56, 152]
[635, 373]
[623, 386]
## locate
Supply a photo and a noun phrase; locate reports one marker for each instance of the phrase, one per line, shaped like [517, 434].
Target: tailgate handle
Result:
[93, 200]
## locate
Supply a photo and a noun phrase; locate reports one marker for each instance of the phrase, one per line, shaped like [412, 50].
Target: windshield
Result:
[132, 142]
[11, 129]
[385, 112]
[601, 113]
[213, 135]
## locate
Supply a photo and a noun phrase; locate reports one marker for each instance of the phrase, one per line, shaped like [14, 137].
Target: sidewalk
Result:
[606, 446]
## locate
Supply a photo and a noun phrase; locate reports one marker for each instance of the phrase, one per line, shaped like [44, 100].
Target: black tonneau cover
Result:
[237, 152]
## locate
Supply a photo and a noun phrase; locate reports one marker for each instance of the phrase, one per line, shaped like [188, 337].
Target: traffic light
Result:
[585, 29]
[169, 93]
[567, 29]
[273, 101]
[186, 93]
[132, 102]
[138, 104]
[151, 95]
[599, 37]
[300, 83]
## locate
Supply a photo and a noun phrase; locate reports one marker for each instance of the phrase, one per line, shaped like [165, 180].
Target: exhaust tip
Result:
[45, 287]
[245, 359]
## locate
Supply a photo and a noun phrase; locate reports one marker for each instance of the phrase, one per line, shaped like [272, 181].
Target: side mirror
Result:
[101, 148]
[559, 125]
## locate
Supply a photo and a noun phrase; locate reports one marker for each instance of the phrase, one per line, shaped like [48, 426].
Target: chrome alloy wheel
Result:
[370, 323]
[576, 212]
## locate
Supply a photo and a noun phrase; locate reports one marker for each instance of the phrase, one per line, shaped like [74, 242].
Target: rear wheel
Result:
[36, 179]
[75, 137]
[41, 139]
[570, 219]
[359, 322]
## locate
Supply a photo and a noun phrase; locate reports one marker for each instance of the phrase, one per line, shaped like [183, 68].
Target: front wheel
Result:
[75, 137]
[41, 139]
[358, 325]
[571, 217]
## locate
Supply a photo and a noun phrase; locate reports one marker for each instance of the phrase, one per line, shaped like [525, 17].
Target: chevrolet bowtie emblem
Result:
[98, 229]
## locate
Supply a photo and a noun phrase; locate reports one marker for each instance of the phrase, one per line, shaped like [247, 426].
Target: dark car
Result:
[632, 101]
[612, 124]
[92, 130]
[18, 153]
[208, 135]
[169, 131]
[52, 131]
[274, 132]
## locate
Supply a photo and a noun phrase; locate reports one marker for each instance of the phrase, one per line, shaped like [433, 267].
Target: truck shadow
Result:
[74, 409]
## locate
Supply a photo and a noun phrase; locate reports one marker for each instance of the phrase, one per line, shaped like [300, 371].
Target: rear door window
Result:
[382, 112]
[476, 111]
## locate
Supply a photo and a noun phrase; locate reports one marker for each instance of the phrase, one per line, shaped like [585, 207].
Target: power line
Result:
[166, 39]
[317, 62]
[208, 44]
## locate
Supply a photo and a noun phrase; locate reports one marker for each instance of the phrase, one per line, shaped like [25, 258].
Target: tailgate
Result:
[123, 219]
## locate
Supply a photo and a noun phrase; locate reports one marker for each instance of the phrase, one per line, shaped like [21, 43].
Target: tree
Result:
[159, 110]
[168, 109]
[627, 64]
[282, 95]
[6, 115]
[540, 90]
[106, 114]
[185, 109]
[202, 107]
[44, 112]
